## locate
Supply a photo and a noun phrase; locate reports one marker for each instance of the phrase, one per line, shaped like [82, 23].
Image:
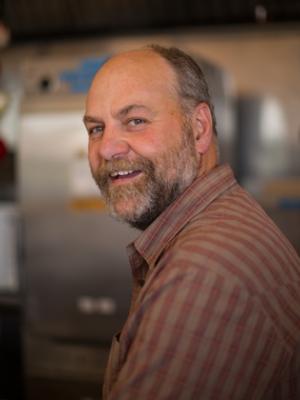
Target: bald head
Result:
[136, 69]
[137, 57]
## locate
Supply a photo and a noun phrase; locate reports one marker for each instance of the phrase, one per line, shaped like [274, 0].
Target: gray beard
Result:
[156, 194]
[153, 193]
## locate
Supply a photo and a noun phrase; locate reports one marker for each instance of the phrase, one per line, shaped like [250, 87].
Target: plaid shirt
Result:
[215, 310]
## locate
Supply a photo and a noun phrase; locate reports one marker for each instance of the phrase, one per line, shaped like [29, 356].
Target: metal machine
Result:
[76, 272]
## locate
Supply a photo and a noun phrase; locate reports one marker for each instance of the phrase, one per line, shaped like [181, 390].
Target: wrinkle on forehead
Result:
[138, 66]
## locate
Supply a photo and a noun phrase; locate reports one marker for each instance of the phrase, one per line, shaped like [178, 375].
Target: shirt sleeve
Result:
[198, 335]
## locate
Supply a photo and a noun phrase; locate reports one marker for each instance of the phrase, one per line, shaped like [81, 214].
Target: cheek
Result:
[152, 143]
[147, 137]
[93, 158]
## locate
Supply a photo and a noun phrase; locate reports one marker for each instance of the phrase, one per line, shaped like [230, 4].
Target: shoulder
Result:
[232, 252]
[235, 239]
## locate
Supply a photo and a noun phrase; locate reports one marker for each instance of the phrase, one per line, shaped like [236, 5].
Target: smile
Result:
[124, 174]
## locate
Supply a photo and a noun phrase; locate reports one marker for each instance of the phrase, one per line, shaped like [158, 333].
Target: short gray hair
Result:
[192, 85]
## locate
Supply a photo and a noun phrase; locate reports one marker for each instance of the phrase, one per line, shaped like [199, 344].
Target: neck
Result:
[209, 159]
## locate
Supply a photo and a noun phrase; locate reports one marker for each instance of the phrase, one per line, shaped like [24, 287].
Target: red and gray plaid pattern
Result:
[215, 310]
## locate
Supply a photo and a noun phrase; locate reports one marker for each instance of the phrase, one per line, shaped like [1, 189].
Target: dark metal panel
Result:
[36, 18]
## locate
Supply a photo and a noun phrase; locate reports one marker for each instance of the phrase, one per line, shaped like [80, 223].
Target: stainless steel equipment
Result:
[263, 144]
[222, 92]
[76, 270]
[9, 280]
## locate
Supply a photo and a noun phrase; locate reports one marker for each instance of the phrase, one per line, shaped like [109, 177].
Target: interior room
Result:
[64, 274]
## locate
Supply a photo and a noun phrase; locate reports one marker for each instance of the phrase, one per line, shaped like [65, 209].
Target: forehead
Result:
[134, 75]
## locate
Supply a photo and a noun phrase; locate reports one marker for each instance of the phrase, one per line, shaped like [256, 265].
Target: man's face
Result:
[141, 150]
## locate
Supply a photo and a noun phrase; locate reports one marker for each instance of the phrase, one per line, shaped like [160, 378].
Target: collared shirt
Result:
[215, 310]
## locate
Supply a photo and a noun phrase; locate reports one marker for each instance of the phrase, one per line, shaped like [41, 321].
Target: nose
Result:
[112, 145]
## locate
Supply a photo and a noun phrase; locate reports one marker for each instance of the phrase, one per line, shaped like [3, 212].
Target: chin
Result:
[136, 214]
[124, 210]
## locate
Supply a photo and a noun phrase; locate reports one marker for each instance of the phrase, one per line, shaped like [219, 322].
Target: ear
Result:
[202, 127]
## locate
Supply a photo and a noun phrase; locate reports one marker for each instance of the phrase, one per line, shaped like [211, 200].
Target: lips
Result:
[120, 175]
[113, 173]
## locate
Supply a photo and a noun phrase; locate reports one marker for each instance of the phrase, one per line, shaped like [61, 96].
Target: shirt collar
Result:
[202, 192]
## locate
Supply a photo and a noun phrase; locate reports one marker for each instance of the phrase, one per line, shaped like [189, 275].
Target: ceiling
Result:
[39, 19]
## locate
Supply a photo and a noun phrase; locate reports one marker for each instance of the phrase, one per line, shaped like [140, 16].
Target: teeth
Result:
[122, 173]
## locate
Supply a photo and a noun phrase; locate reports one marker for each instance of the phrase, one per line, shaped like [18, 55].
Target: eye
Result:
[95, 130]
[136, 121]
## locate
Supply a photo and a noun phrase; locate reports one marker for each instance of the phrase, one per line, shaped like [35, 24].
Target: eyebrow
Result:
[89, 118]
[119, 114]
[131, 107]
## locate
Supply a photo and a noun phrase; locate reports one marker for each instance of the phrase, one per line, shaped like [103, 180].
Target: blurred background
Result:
[64, 275]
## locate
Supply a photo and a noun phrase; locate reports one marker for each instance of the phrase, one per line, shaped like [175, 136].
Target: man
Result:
[215, 310]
